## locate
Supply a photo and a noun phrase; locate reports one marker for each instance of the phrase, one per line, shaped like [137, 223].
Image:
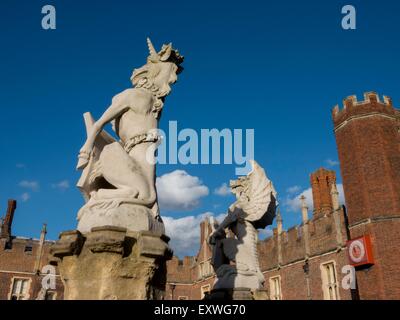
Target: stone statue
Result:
[235, 257]
[118, 178]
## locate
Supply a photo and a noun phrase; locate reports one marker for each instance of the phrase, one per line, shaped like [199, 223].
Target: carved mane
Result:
[150, 70]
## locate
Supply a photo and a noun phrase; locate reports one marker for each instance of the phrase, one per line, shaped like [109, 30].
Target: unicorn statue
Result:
[118, 174]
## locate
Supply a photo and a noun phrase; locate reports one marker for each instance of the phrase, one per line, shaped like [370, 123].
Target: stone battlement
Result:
[325, 233]
[180, 270]
[371, 104]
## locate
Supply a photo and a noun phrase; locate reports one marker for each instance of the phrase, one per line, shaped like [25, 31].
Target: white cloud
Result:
[265, 233]
[293, 189]
[331, 163]
[62, 185]
[32, 185]
[185, 232]
[223, 190]
[178, 190]
[25, 196]
[293, 203]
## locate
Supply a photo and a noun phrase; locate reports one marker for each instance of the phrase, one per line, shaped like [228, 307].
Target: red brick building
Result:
[308, 261]
[368, 140]
[24, 264]
[304, 262]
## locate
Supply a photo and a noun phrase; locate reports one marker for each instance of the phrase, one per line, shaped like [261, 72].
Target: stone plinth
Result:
[237, 294]
[125, 215]
[112, 263]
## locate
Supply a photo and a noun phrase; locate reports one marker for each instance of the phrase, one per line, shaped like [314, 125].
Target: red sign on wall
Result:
[359, 251]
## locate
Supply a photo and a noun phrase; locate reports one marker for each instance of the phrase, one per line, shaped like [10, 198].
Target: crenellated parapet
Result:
[372, 104]
[180, 270]
[321, 232]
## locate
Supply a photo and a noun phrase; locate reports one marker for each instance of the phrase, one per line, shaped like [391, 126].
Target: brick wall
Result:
[17, 262]
[368, 142]
[326, 234]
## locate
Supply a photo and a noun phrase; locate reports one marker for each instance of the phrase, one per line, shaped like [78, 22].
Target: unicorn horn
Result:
[153, 52]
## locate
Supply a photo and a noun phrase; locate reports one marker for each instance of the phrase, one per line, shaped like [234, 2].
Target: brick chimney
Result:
[321, 183]
[5, 231]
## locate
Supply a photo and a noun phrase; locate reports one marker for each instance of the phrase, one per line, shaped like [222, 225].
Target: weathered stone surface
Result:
[153, 245]
[132, 217]
[106, 239]
[70, 243]
[237, 294]
[260, 294]
[112, 264]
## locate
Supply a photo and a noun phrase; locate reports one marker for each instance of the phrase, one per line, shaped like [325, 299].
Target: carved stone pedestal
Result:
[237, 294]
[125, 215]
[112, 263]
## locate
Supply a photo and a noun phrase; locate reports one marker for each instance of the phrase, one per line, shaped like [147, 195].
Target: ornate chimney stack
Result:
[5, 231]
[321, 183]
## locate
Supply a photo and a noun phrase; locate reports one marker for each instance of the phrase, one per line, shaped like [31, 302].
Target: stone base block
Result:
[237, 294]
[228, 276]
[130, 216]
[112, 263]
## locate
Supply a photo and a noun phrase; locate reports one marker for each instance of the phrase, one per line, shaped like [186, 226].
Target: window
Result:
[205, 269]
[275, 288]
[201, 266]
[28, 248]
[8, 245]
[20, 289]
[329, 281]
[205, 290]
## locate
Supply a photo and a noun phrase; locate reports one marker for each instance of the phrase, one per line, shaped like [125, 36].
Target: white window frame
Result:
[330, 281]
[205, 269]
[25, 296]
[275, 286]
[201, 267]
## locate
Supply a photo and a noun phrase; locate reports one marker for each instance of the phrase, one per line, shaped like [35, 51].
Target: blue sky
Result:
[274, 66]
